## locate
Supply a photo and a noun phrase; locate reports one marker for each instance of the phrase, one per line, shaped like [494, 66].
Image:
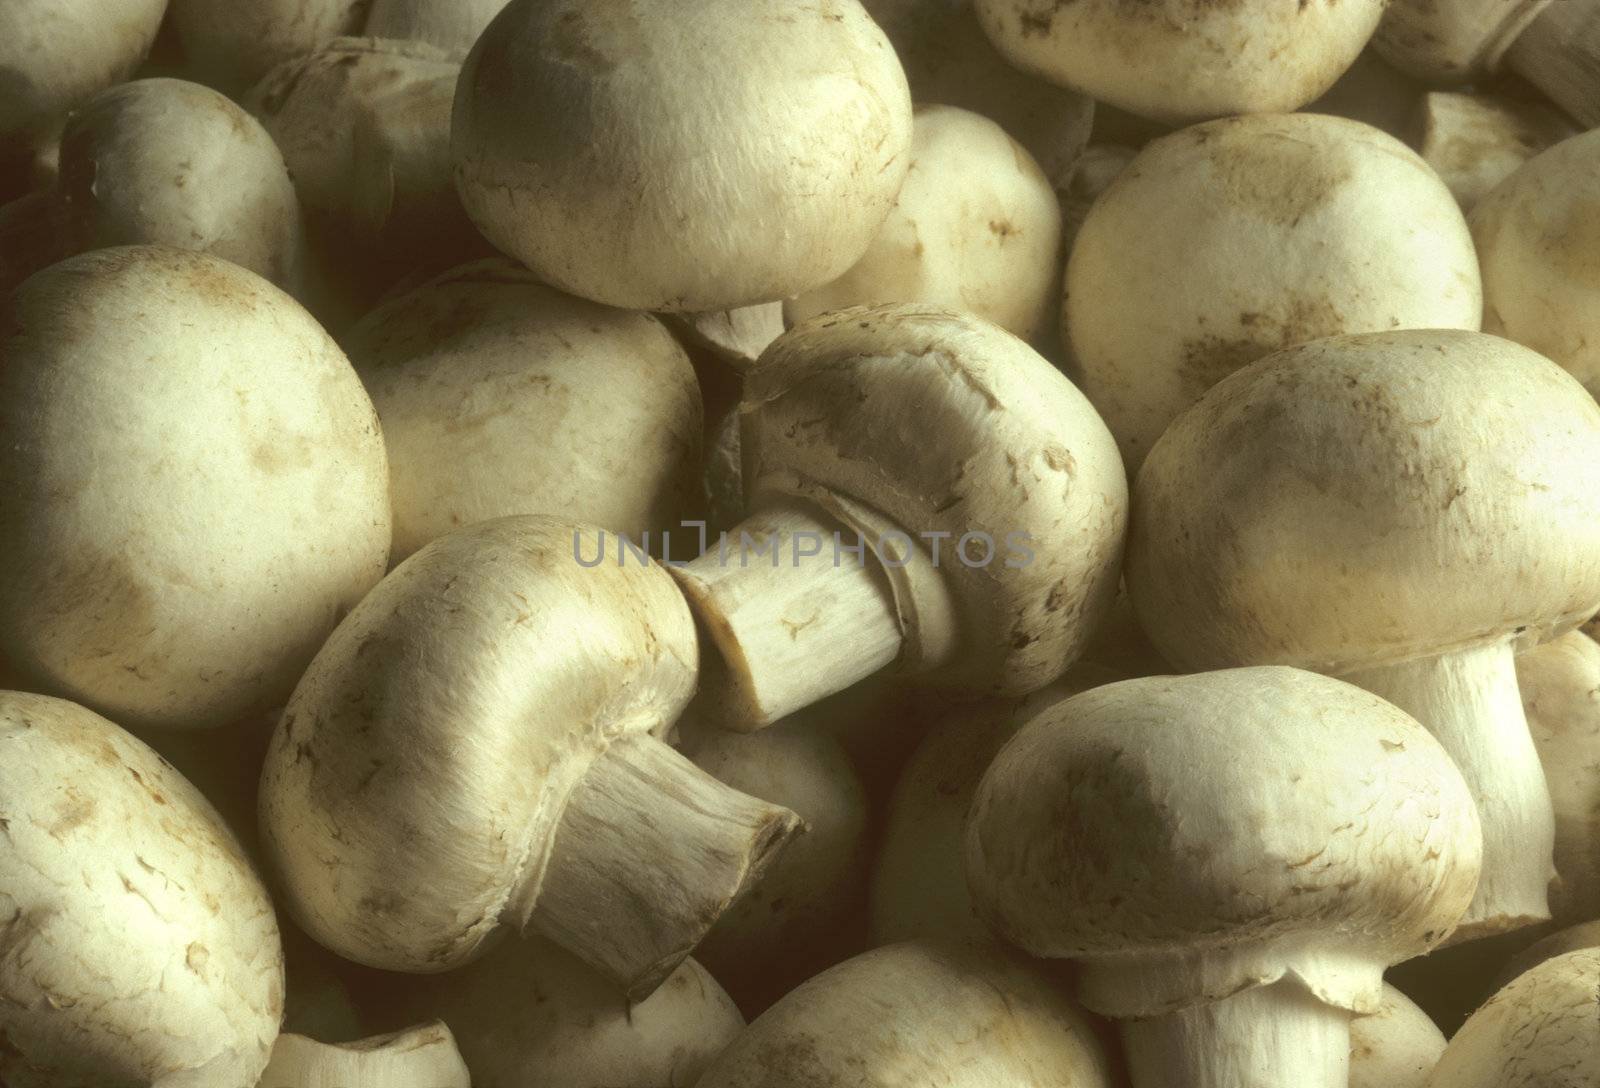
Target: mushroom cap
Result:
[1395, 1047]
[167, 162]
[976, 227]
[452, 25]
[1227, 241]
[917, 1014]
[1541, 1031]
[499, 396]
[424, 1056]
[141, 948]
[662, 156]
[1185, 60]
[412, 791]
[1571, 939]
[1365, 500]
[196, 489]
[1538, 237]
[1213, 832]
[231, 45]
[947, 424]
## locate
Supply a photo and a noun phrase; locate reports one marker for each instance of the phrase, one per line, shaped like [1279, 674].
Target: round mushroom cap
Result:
[166, 162]
[452, 25]
[1191, 836]
[967, 440]
[416, 779]
[231, 45]
[141, 948]
[662, 156]
[1395, 1047]
[976, 227]
[1571, 939]
[1541, 1031]
[1185, 60]
[500, 396]
[1365, 500]
[196, 488]
[1538, 237]
[1227, 241]
[918, 1014]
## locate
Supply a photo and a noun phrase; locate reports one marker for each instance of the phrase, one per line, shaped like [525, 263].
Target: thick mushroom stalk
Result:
[420, 1057]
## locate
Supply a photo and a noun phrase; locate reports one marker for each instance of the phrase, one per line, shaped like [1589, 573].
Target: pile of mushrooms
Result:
[745, 543]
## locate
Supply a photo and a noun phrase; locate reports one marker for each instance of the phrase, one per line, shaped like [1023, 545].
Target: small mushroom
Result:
[421, 1057]
[1538, 237]
[919, 1013]
[231, 45]
[1232, 859]
[1178, 60]
[1541, 1031]
[976, 227]
[196, 488]
[1326, 507]
[1395, 1047]
[1476, 141]
[140, 947]
[477, 749]
[657, 156]
[862, 428]
[452, 25]
[498, 395]
[1225, 242]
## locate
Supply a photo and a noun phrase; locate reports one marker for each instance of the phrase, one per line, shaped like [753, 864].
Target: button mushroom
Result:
[657, 156]
[231, 45]
[863, 428]
[1395, 1047]
[1476, 141]
[1326, 507]
[1571, 939]
[195, 486]
[1227, 241]
[421, 1057]
[1232, 859]
[476, 749]
[140, 947]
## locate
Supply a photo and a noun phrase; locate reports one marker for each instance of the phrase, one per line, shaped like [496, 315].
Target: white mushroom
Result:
[1395, 1047]
[661, 156]
[976, 227]
[1227, 241]
[1232, 859]
[196, 488]
[1091, 175]
[231, 45]
[452, 25]
[1572, 939]
[1476, 141]
[421, 1057]
[140, 947]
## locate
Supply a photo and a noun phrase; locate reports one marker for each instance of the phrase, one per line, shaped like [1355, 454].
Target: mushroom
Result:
[867, 426]
[1326, 507]
[421, 1057]
[1560, 685]
[919, 1013]
[1554, 46]
[1538, 237]
[1541, 1031]
[477, 749]
[452, 25]
[657, 156]
[140, 947]
[231, 45]
[1395, 1047]
[733, 338]
[1180, 61]
[498, 395]
[1232, 859]
[1571, 939]
[976, 227]
[195, 486]
[1091, 175]
[1227, 241]
[1476, 141]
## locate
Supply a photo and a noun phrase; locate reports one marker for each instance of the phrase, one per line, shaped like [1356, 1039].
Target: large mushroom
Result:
[662, 156]
[196, 489]
[1232, 859]
[1331, 507]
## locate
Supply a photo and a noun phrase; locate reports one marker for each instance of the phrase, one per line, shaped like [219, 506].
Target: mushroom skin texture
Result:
[1560, 685]
[1538, 237]
[477, 749]
[986, 495]
[196, 488]
[1248, 851]
[230, 46]
[661, 156]
[499, 395]
[976, 227]
[1395, 1047]
[1182, 60]
[421, 1057]
[1325, 508]
[1227, 241]
[917, 1014]
[1476, 141]
[185, 989]
[452, 25]
[1541, 1031]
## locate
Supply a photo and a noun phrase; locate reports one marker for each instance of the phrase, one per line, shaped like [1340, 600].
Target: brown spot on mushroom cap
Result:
[1279, 176]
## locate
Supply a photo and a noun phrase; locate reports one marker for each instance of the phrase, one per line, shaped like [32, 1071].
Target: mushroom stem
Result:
[420, 1057]
[645, 825]
[796, 617]
[1275, 1036]
[1469, 700]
